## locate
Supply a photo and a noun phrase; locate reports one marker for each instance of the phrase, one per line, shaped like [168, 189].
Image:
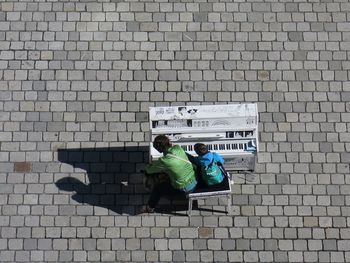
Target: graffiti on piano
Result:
[234, 114]
[221, 123]
[186, 112]
[176, 123]
[251, 121]
[159, 111]
[170, 110]
[181, 112]
[240, 134]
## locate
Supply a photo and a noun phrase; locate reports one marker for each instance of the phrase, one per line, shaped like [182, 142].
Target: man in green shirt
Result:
[176, 165]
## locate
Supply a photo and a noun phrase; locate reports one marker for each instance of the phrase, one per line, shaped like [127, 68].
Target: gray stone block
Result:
[118, 244]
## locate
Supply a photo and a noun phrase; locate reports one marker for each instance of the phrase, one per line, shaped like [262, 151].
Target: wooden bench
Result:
[221, 190]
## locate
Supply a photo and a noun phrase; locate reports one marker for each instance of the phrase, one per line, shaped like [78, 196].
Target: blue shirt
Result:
[206, 159]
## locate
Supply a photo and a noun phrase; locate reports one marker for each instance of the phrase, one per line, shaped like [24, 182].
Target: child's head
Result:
[200, 149]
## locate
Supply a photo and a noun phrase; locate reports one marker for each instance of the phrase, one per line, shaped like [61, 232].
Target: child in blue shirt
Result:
[209, 163]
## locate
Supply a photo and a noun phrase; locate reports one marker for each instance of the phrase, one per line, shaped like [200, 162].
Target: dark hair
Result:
[200, 148]
[161, 143]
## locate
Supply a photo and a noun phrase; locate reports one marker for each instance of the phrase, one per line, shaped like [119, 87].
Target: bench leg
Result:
[229, 204]
[189, 206]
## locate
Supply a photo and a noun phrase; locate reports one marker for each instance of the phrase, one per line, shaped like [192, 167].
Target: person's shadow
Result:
[114, 180]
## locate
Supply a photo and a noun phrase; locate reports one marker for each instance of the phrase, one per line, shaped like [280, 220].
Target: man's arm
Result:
[193, 159]
[155, 167]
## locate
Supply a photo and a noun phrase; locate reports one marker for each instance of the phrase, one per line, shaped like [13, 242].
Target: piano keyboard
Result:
[243, 145]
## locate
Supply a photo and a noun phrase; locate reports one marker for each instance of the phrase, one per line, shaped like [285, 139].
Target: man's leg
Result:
[160, 190]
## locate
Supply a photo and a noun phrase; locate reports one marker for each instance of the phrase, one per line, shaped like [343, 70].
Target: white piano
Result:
[230, 130]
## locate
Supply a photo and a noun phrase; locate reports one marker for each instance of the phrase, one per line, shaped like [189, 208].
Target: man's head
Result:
[161, 143]
[200, 149]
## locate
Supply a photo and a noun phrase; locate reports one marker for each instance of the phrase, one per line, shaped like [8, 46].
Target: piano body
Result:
[230, 130]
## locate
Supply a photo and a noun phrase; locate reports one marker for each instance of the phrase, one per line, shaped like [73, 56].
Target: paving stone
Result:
[188, 233]
[147, 244]
[165, 255]
[160, 244]
[172, 232]
[118, 244]
[178, 256]
[157, 232]
[89, 244]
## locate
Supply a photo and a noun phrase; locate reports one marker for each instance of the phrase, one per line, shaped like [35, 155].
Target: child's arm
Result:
[218, 158]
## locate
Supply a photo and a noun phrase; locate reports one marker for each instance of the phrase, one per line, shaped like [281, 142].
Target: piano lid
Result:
[203, 112]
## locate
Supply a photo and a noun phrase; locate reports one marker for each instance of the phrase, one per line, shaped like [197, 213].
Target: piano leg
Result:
[229, 204]
[190, 201]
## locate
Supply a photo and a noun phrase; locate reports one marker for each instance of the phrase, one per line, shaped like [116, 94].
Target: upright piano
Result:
[230, 130]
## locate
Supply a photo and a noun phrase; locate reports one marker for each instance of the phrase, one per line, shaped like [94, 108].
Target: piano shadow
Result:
[113, 179]
[181, 209]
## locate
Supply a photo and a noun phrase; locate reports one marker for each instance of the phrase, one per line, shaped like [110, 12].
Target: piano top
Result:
[205, 118]
[203, 112]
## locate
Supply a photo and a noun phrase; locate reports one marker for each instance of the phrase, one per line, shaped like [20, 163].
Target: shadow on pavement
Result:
[114, 179]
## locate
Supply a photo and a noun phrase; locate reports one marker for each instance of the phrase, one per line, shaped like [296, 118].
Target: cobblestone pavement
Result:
[76, 81]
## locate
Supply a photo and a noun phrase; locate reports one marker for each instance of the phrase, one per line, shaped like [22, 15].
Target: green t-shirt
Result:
[181, 173]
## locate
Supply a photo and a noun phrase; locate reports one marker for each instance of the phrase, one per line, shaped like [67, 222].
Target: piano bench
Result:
[222, 189]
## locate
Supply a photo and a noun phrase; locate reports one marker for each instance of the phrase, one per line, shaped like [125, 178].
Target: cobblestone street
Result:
[76, 81]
